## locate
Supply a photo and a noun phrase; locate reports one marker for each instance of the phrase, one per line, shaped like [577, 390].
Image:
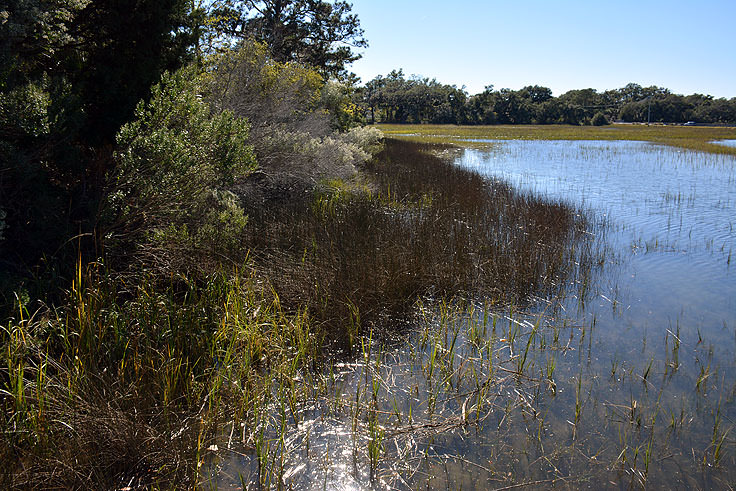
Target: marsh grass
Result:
[687, 137]
[416, 226]
[406, 330]
[517, 399]
[127, 385]
[135, 379]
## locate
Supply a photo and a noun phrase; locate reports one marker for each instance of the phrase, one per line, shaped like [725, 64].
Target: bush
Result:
[599, 119]
[338, 99]
[300, 159]
[291, 110]
[271, 95]
[177, 158]
[367, 140]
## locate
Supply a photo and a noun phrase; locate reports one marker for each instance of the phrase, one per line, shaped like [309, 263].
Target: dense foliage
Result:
[397, 99]
[315, 32]
[168, 195]
[72, 73]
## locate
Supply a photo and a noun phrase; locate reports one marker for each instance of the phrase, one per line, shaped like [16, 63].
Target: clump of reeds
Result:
[126, 384]
[417, 226]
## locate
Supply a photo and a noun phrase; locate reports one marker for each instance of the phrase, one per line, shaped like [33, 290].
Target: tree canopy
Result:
[318, 33]
[71, 73]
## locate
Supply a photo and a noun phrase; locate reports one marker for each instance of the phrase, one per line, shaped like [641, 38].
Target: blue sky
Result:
[686, 46]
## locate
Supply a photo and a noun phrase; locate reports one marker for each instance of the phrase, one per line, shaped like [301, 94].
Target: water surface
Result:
[728, 143]
[626, 380]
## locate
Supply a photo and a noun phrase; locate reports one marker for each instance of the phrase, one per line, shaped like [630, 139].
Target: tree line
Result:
[396, 98]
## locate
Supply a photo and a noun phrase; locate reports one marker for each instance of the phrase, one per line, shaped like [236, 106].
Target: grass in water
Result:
[416, 226]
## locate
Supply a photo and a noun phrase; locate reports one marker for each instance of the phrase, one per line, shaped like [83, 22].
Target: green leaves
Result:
[315, 32]
[176, 159]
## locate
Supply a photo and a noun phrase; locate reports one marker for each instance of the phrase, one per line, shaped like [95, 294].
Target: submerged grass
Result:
[451, 404]
[698, 138]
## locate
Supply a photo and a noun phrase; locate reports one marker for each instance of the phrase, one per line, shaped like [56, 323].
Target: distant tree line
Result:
[399, 99]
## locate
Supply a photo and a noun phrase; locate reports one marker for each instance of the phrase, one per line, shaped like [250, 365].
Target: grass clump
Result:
[423, 227]
[128, 386]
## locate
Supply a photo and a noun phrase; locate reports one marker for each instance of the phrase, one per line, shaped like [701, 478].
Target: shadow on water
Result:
[596, 352]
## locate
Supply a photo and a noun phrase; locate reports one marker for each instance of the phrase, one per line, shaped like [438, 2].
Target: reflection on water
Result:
[628, 379]
[671, 214]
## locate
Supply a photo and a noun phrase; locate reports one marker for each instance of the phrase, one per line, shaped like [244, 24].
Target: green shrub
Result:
[248, 82]
[293, 113]
[338, 99]
[175, 163]
[599, 119]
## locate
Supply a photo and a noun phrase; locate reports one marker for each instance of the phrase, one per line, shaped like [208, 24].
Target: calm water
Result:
[728, 143]
[626, 381]
[671, 213]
